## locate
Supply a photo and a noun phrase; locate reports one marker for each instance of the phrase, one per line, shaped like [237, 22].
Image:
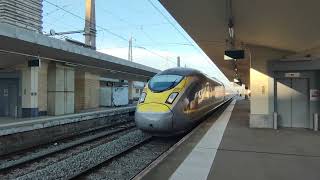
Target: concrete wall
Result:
[262, 85]
[92, 85]
[313, 52]
[22, 13]
[79, 90]
[43, 89]
[55, 89]
[55, 129]
[60, 89]
[87, 86]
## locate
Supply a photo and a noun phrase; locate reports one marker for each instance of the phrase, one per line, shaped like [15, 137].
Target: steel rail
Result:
[125, 151]
[26, 159]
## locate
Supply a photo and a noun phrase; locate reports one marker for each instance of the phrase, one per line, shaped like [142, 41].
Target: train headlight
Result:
[172, 97]
[142, 97]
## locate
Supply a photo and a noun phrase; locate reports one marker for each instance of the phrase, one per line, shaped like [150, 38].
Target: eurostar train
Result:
[175, 100]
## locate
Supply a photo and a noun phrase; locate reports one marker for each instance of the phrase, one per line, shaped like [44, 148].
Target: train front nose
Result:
[154, 118]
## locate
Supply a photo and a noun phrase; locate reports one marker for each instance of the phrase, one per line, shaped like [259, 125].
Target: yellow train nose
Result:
[153, 107]
[154, 117]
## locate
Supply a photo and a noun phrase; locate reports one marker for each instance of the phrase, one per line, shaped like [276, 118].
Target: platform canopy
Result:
[290, 25]
[18, 45]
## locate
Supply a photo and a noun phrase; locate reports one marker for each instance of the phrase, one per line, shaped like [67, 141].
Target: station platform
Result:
[22, 133]
[9, 125]
[224, 147]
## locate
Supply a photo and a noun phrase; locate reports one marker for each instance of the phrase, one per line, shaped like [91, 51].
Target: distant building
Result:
[25, 14]
[137, 89]
[41, 75]
[240, 90]
[107, 85]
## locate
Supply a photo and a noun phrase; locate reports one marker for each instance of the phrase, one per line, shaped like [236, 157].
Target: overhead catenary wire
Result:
[145, 34]
[153, 44]
[136, 25]
[154, 53]
[169, 21]
[55, 10]
[173, 25]
[75, 15]
[103, 28]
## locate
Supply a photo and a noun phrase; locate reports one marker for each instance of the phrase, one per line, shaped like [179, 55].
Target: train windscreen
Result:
[161, 83]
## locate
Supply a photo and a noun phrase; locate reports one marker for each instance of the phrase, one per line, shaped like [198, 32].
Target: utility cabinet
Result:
[114, 96]
[106, 96]
[120, 96]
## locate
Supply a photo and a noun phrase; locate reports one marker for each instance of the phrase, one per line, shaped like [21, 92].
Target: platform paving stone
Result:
[264, 154]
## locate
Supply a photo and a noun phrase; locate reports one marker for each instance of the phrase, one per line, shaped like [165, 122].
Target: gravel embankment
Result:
[69, 162]
[128, 166]
[40, 149]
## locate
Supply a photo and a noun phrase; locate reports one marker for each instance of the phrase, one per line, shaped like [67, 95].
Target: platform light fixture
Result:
[34, 62]
[234, 54]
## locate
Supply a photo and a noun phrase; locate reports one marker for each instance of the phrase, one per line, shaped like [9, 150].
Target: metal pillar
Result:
[130, 91]
[90, 24]
[130, 56]
[178, 61]
[315, 122]
[275, 120]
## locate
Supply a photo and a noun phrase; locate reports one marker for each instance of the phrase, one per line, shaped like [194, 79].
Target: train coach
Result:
[175, 100]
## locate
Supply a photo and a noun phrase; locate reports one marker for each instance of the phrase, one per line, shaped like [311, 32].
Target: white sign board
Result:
[292, 75]
[314, 94]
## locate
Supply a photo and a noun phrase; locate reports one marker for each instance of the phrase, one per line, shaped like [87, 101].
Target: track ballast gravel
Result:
[70, 166]
[127, 166]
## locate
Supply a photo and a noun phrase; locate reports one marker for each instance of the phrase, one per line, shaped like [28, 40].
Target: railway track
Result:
[19, 163]
[83, 174]
[120, 158]
[118, 151]
[128, 163]
[115, 151]
[73, 164]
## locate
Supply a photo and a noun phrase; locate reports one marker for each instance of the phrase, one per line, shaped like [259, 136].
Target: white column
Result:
[30, 91]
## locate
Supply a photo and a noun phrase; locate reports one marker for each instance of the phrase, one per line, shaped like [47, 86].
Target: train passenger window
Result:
[164, 82]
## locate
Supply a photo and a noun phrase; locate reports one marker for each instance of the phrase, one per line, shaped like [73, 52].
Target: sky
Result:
[157, 38]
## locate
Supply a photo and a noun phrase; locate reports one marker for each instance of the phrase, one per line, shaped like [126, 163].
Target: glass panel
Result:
[164, 82]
